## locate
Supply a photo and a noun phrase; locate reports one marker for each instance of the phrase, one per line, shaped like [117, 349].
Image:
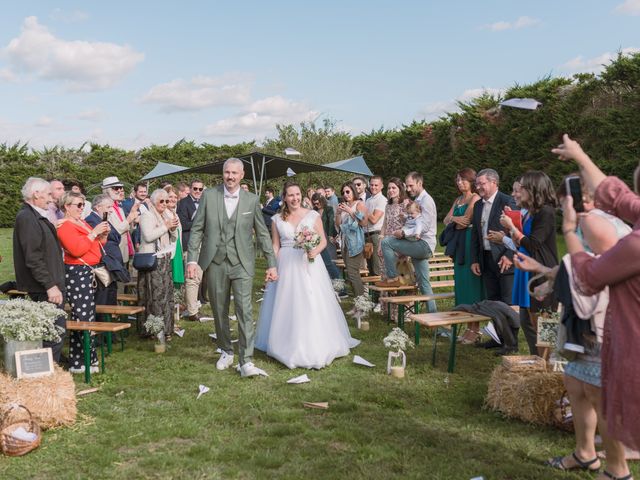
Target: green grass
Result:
[145, 421]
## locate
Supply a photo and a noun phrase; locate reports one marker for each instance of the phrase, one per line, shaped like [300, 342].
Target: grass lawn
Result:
[145, 421]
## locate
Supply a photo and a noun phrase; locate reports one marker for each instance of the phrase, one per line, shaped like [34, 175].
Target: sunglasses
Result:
[197, 189]
[79, 205]
[163, 201]
[358, 184]
[117, 188]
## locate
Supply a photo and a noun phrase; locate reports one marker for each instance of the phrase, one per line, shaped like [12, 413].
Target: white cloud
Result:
[199, 93]
[92, 115]
[44, 121]
[438, 109]
[73, 16]
[261, 117]
[580, 64]
[7, 75]
[521, 22]
[80, 64]
[629, 7]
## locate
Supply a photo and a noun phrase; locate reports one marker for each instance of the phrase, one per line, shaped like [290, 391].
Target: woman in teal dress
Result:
[468, 287]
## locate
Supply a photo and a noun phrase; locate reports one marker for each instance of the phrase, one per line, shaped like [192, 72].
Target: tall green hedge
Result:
[602, 112]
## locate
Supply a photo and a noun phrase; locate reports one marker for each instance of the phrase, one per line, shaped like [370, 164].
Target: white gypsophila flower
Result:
[397, 340]
[338, 284]
[28, 321]
[362, 304]
[154, 325]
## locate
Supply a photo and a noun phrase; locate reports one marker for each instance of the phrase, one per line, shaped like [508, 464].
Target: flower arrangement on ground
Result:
[307, 239]
[397, 342]
[24, 320]
[361, 308]
[155, 326]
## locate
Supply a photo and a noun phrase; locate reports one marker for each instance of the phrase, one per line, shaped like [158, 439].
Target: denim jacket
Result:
[353, 234]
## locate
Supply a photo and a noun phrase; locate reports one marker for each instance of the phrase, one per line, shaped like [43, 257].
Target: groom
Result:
[223, 233]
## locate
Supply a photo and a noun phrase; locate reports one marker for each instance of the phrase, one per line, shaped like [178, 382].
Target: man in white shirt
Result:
[419, 251]
[376, 205]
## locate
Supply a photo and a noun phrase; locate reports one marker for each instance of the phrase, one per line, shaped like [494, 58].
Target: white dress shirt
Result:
[486, 213]
[429, 217]
[231, 201]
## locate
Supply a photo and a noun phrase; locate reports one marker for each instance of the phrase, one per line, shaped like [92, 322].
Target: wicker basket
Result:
[524, 363]
[12, 419]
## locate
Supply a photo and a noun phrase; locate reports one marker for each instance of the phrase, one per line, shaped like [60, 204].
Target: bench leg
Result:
[86, 340]
[401, 316]
[452, 349]
[107, 317]
[435, 344]
[388, 313]
[416, 309]
[122, 332]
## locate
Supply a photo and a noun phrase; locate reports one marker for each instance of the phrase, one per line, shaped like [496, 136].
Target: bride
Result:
[301, 323]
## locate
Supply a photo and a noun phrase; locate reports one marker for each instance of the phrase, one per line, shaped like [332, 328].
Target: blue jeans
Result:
[330, 264]
[419, 252]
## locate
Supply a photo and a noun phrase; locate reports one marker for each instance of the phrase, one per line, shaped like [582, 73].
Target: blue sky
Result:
[130, 74]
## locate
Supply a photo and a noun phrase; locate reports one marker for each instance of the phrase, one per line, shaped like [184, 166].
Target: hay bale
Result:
[52, 399]
[526, 395]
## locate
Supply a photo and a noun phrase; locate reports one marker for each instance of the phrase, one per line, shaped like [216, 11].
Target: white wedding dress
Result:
[301, 323]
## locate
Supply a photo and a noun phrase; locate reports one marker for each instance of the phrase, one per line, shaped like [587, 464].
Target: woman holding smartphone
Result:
[538, 240]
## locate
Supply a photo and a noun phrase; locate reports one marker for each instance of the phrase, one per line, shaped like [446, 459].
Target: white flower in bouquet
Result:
[155, 326]
[28, 321]
[363, 305]
[307, 239]
[397, 340]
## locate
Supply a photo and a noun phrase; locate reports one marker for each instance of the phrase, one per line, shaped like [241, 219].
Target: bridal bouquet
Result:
[307, 240]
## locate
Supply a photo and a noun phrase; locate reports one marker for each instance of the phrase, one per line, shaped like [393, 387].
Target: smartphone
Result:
[105, 215]
[574, 189]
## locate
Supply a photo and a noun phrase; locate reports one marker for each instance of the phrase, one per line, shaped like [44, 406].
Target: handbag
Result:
[368, 250]
[145, 262]
[102, 274]
[405, 270]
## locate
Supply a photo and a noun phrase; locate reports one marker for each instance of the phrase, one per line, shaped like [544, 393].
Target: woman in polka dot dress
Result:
[82, 252]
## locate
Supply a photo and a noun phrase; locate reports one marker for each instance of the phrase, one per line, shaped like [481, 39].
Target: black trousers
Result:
[61, 321]
[498, 285]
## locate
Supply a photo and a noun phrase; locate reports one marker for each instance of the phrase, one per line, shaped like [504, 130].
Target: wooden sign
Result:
[34, 363]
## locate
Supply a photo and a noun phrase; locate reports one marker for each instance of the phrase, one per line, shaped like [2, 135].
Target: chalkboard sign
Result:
[34, 363]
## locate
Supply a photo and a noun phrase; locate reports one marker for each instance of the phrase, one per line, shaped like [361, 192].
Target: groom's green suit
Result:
[227, 257]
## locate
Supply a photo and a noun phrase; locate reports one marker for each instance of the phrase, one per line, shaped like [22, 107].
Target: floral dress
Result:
[394, 217]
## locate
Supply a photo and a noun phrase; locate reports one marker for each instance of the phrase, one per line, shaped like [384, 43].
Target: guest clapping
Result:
[158, 234]
[350, 221]
[82, 246]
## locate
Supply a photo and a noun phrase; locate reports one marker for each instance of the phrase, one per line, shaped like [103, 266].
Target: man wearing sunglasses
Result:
[186, 210]
[360, 185]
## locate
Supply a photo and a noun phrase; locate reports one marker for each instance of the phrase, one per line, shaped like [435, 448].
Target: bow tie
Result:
[230, 196]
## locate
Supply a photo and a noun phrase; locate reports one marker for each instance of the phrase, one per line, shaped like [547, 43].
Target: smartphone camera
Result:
[574, 188]
[105, 215]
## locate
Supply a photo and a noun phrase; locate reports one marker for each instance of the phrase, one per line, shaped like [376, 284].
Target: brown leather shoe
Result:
[194, 318]
[389, 283]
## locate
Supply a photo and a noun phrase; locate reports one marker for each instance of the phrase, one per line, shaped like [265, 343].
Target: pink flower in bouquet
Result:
[307, 239]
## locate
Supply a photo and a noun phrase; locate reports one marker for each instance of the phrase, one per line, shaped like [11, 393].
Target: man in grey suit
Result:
[222, 232]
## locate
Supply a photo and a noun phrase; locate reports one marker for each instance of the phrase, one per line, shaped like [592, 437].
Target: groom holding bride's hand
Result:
[223, 233]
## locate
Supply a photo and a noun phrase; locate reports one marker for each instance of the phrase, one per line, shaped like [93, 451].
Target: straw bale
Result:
[51, 399]
[526, 395]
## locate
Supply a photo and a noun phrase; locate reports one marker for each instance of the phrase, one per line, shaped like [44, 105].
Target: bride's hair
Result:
[285, 208]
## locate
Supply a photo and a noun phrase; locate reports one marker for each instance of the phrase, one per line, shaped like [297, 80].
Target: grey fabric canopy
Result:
[162, 169]
[352, 165]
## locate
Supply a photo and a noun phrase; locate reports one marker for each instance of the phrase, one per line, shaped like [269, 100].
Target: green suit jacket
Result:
[208, 225]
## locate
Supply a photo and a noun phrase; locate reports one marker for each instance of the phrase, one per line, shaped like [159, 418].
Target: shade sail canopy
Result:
[352, 165]
[163, 169]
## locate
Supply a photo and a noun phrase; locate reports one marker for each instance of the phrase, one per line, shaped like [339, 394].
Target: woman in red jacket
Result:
[82, 252]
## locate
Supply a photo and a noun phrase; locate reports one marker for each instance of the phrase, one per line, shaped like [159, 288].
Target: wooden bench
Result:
[440, 273]
[371, 279]
[131, 298]
[404, 303]
[441, 266]
[114, 310]
[86, 328]
[16, 293]
[444, 319]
